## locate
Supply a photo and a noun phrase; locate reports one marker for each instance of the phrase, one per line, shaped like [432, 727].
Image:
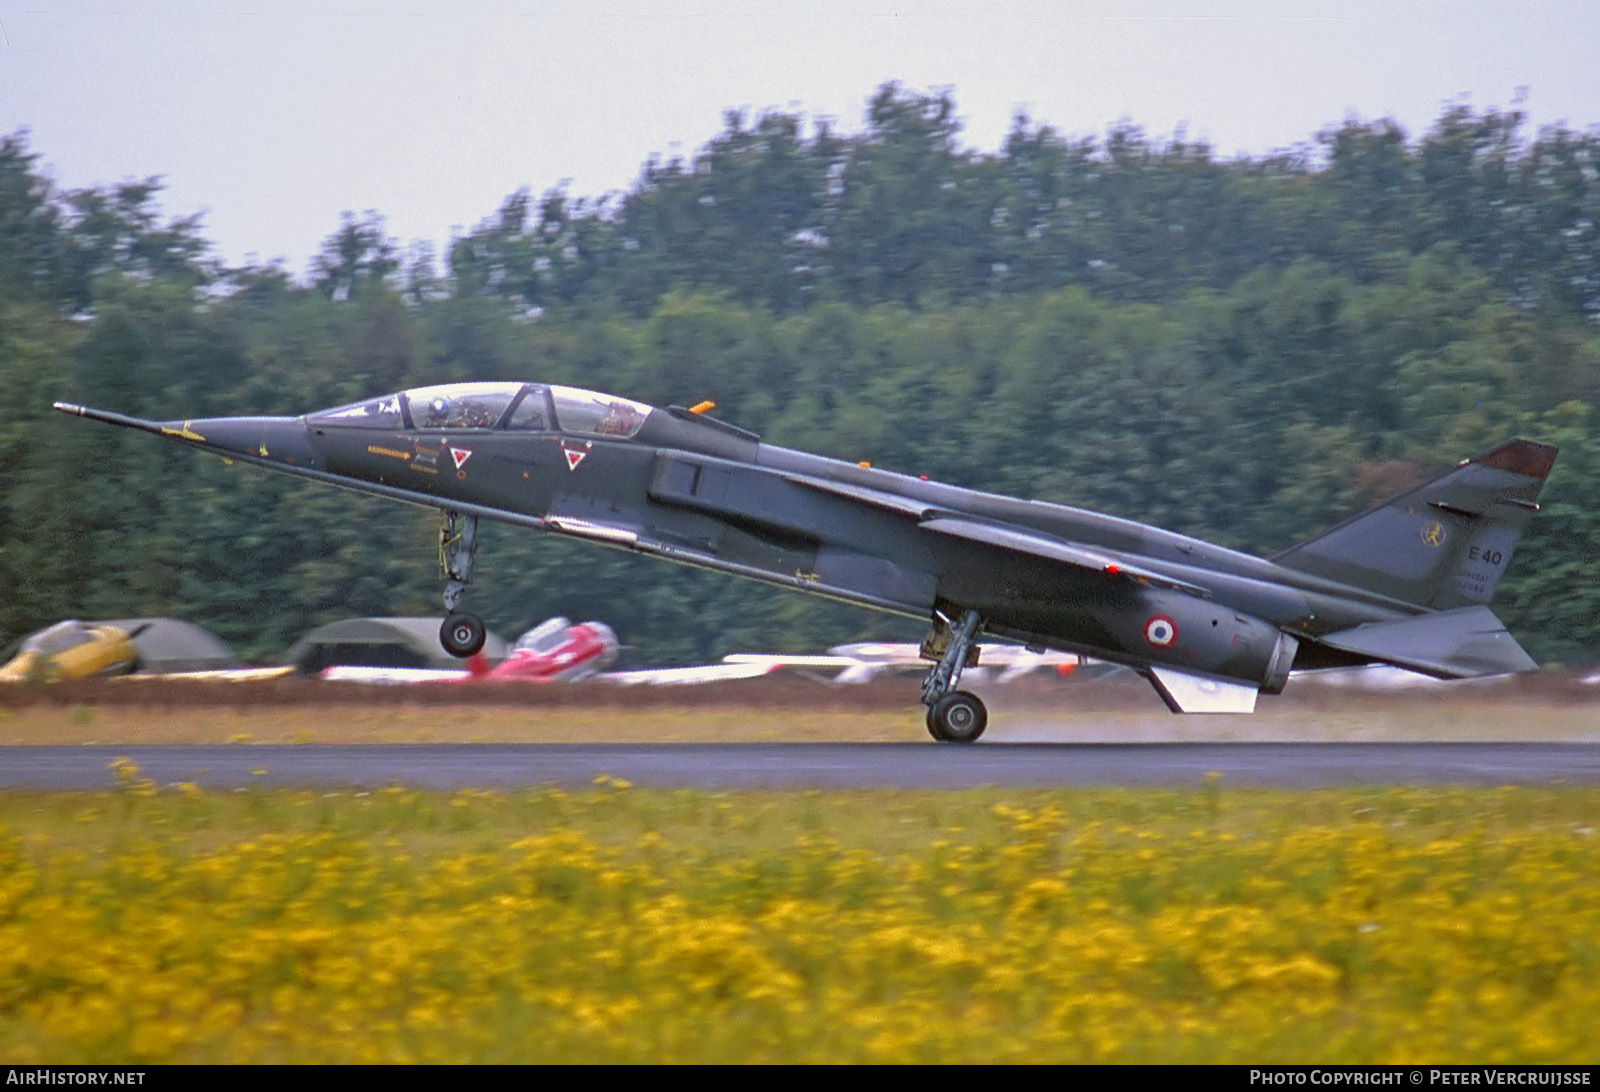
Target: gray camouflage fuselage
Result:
[690, 489]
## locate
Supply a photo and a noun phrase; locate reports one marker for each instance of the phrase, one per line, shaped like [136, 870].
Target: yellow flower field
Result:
[619, 924]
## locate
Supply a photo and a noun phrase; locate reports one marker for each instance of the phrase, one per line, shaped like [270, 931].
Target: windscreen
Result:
[58, 638]
[374, 413]
[547, 635]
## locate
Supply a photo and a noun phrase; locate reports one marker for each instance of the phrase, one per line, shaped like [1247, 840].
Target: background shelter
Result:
[168, 645]
[381, 642]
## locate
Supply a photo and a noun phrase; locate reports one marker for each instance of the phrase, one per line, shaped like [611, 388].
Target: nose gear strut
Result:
[462, 633]
[954, 716]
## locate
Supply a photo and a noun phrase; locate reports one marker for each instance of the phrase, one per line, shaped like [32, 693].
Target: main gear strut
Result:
[954, 716]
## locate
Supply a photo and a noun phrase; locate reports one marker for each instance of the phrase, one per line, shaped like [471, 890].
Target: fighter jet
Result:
[1406, 583]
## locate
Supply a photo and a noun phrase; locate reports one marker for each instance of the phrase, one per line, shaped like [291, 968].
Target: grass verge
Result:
[619, 924]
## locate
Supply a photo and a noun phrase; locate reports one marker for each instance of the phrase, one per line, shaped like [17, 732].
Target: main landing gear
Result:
[954, 716]
[462, 634]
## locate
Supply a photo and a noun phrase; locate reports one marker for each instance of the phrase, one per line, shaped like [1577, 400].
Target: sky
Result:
[272, 117]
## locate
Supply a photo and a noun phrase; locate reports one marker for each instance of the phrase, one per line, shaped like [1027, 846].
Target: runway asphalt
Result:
[809, 766]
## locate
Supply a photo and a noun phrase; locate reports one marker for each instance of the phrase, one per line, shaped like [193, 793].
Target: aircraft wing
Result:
[927, 515]
[847, 669]
[680, 676]
[779, 660]
[906, 506]
[397, 675]
[225, 674]
[1054, 549]
[931, 517]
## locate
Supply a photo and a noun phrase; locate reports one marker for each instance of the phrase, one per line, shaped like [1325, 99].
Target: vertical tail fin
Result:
[1444, 544]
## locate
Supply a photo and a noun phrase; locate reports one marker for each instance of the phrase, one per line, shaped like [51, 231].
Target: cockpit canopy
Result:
[518, 406]
[60, 637]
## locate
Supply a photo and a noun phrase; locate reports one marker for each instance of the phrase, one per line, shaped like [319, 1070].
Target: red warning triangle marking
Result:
[574, 457]
[460, 455]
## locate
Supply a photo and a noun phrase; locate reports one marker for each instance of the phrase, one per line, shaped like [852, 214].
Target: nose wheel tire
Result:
[958, 717]
[462, 635]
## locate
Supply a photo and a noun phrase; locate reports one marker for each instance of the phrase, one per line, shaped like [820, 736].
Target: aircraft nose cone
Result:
[269, 439]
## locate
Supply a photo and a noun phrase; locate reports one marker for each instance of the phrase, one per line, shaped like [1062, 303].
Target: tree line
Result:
[1244, 350]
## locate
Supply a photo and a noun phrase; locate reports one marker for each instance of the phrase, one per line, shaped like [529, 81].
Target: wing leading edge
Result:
[1027, 542]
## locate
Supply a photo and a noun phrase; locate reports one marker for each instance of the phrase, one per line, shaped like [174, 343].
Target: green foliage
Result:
[1551, 593]
[1243, 350]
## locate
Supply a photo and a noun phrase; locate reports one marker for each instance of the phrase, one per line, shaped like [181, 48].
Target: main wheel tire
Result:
[462, 635]
[958, 717]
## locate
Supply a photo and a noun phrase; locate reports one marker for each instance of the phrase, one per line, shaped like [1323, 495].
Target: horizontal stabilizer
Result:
[1186, 693]
[1455, 644]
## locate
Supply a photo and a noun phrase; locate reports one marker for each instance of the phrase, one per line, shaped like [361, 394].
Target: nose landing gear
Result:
[954, 716]
[462, 634]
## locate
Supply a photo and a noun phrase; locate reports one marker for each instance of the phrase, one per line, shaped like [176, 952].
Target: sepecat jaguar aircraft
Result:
[1405, 583]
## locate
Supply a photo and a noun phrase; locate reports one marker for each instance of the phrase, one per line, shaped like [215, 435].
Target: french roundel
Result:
[1161, 631]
